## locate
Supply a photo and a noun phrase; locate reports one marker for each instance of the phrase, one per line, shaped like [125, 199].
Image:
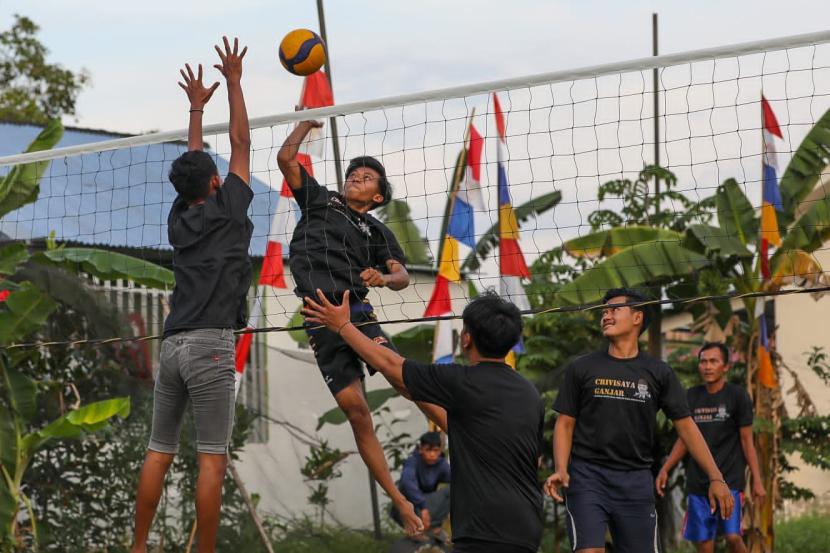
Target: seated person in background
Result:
[425, 468]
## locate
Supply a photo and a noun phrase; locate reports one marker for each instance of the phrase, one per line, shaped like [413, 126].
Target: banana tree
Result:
[32, 285]
[703, 260]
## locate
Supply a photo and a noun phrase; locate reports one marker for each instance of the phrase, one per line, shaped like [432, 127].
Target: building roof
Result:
[119, 198]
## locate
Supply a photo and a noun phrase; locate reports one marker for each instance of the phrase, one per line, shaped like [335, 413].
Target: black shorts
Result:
[478, 546]
[338, 362]
[619, 500]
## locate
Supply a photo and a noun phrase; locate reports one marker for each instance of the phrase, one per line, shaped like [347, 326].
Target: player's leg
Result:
[586, 515]
[209, 374]
[731, 527]
[701, 525]
[169, 404]
[353, 403]
[633, 511]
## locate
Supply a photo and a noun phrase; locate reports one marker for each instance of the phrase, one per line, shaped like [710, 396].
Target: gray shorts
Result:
[196, 366]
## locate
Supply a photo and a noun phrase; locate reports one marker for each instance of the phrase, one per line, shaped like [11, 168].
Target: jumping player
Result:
[604, 437]
[723, 412]
[495, 421]
[338, 247]
[210, 232]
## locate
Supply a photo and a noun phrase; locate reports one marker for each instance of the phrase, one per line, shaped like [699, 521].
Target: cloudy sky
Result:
[378, 48]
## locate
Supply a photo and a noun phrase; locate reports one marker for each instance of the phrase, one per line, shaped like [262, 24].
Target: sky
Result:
[564, 137]
[378, 48]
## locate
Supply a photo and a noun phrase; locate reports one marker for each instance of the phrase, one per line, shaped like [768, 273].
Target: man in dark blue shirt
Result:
[425, 468]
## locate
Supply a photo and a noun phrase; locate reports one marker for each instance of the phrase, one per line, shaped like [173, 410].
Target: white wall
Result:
[803, 323]
[298, 394]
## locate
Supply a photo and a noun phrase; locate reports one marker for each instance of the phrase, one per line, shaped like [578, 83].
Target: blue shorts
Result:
[622, 501]
[702, 525]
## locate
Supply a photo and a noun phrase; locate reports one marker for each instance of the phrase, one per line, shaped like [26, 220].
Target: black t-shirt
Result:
[495, 419]
[615, 403]
[210, 259]
[720, 416]
[332, 244]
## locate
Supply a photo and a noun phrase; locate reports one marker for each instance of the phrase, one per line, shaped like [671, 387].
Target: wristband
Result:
[719, 480]
[339, 330]
[199, 110]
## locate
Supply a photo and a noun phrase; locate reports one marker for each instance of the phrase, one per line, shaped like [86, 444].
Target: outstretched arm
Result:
[287, 156]
[199, 96]
[719, 492]
[239, 132]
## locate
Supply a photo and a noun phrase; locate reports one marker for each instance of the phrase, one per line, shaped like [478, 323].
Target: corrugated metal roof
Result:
[119, 198]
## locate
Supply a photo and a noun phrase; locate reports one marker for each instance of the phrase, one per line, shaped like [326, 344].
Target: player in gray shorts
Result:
[209, 230]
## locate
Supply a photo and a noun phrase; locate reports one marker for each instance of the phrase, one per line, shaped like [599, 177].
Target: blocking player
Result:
[604, 436]
[337, 247]
[723, 412]
[209, 230]
[495, 419]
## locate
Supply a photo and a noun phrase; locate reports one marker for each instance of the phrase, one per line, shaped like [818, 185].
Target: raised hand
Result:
[231, 66]
[197, 93]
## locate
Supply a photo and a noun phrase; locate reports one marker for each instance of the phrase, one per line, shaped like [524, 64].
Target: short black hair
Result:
[495, 325]
[431, 439]
[724, 350]
[383, 183]
[631, 296]
[190, 174]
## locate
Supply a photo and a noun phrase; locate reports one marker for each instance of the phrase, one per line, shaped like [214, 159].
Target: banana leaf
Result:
[22, 184]
[396, 215]
[11, 256]
[375, 399]
[650, 263]
[805, 167]
[490, 239]
[713, 241]
[24, 311]
[736, 216]
[608, 242]
[108, 265]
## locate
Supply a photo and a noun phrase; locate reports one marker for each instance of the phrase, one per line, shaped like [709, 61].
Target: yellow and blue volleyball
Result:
[302, 52]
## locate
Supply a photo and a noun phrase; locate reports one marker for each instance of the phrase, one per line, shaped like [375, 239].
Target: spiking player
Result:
[338, 247]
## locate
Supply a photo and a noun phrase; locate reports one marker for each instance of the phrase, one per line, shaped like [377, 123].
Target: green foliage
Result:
[736, 216]
[11, 256]
[643, 264]
[33, 90]
[490, 239]
[806, 167]
[375, 399]
[803, 535]
[23, 312]
[396, 215]
[642, 207]
[304, 536]
[22, 184]
[108, 265]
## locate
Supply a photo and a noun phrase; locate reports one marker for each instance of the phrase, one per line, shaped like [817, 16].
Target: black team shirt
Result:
[210, 259]
[332, 244]
[495, 419]
[615, 404]
[720, 417]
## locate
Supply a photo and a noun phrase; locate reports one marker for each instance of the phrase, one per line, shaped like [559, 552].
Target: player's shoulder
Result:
[696, 391]
[737, 391]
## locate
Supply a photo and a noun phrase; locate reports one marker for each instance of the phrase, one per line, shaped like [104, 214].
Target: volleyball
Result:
[302, 52]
